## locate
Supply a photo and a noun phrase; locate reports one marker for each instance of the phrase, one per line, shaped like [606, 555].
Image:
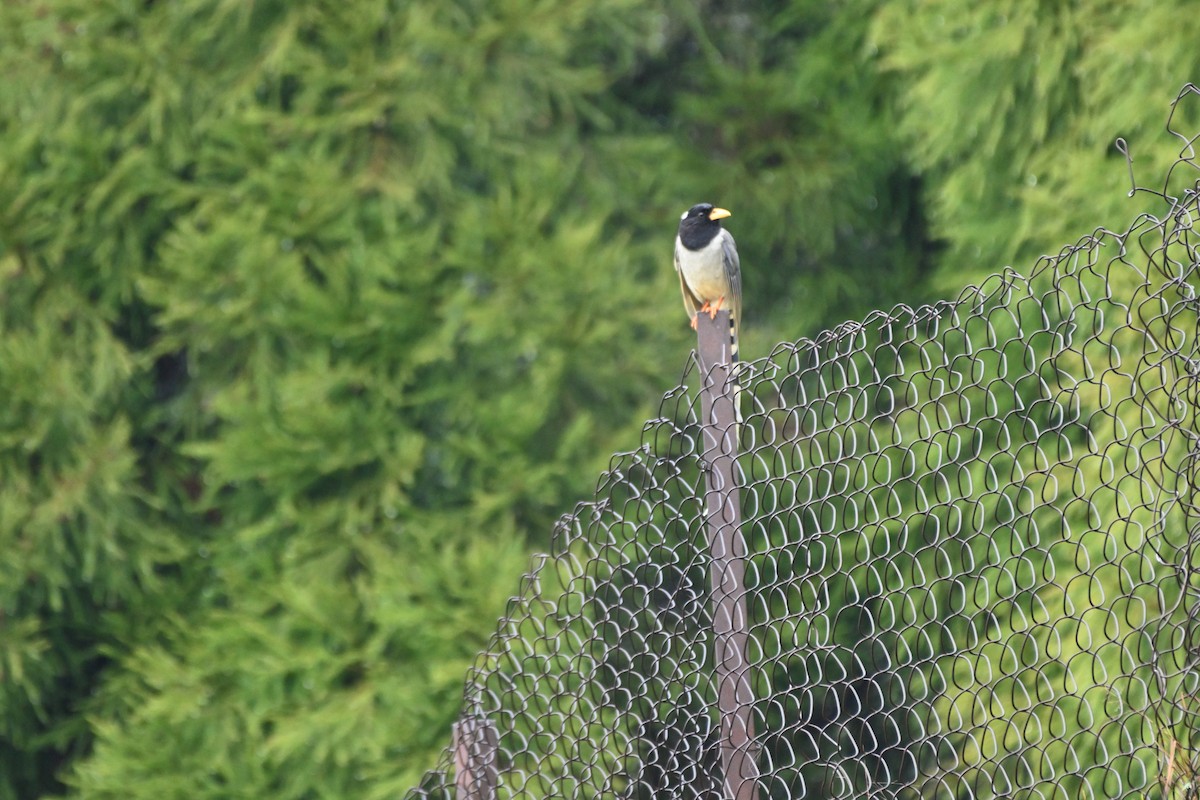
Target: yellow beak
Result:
[719, 213]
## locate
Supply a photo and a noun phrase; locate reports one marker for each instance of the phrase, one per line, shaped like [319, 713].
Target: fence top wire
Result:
[971, 540]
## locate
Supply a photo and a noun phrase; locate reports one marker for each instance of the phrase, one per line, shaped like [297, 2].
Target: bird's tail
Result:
[735, 368]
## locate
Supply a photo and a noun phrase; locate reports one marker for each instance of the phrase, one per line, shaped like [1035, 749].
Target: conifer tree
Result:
[314, 316]
[1012, 111]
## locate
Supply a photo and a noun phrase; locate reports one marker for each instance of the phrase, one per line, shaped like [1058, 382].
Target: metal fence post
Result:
[476, 745]
[727, 550]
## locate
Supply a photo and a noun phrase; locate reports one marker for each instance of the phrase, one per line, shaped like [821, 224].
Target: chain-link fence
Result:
[964, 563]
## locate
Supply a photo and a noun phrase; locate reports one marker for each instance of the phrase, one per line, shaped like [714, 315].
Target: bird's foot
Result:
[713, 309]
[694, 321]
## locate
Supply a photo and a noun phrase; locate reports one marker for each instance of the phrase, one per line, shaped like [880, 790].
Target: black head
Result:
[699, 224]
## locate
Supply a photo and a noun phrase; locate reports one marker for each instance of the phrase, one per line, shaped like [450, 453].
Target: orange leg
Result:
[693, 322]
[712, 310]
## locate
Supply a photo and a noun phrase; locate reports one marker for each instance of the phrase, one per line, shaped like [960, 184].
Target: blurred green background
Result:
[315, 315]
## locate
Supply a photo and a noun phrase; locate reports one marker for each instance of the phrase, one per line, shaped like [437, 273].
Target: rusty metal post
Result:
[476, 746]
[727, 549]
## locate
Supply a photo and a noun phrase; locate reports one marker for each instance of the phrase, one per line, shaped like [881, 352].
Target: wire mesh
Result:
[971, 550]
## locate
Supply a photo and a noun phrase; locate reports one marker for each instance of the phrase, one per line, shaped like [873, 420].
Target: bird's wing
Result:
[733, 277]
[691, 303]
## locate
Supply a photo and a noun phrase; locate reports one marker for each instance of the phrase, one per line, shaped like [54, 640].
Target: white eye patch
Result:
[683, 215]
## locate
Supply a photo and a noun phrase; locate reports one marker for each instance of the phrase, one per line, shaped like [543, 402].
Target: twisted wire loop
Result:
[972, 565]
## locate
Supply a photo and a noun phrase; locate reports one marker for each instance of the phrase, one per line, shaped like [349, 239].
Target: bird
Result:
[710, 273]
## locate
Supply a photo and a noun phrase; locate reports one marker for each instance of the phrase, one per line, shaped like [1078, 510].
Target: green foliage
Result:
[329, 328]
[1011, 110]
[314, 315]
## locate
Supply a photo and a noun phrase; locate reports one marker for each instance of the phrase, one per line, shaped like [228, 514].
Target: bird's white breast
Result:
[704, 270]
